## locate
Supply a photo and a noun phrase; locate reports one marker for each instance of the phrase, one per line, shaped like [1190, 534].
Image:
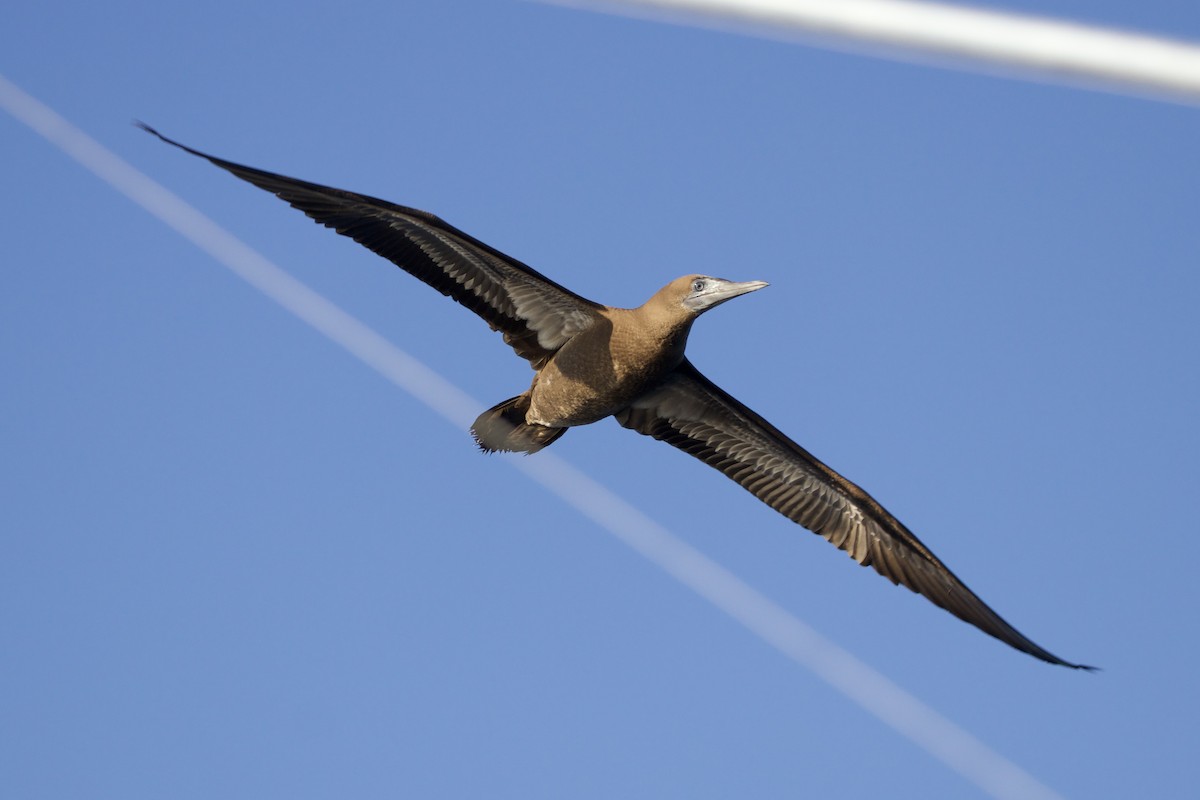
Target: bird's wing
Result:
[535, 314]
[692, 413]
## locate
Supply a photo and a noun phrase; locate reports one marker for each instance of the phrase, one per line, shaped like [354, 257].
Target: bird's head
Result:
[699, 293]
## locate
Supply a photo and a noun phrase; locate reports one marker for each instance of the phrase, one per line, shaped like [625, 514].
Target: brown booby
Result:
[592, 361]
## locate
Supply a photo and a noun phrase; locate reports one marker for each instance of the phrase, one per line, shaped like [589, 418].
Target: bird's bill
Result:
[721, 290]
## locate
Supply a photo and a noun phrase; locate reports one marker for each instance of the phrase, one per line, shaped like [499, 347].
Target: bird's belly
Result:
[559, 402]
[592, 378]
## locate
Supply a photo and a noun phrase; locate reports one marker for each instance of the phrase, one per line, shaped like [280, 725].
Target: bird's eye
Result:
[698, 286]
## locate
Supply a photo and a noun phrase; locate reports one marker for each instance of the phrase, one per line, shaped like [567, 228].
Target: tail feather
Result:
[503, 428]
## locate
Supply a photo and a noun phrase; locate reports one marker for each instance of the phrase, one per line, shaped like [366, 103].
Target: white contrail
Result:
[938, 736]
[1055, 50]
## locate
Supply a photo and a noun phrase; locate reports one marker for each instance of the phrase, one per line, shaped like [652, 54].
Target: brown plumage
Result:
[593, 361]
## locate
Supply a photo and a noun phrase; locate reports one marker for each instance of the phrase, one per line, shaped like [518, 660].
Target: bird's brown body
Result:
[593, 361]
[605, 367]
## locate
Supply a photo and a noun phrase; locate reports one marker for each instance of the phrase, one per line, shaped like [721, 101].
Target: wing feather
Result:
[535, 314]
[691, 413]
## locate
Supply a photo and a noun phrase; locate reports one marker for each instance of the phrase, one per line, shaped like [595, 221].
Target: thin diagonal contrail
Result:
[1017, 44]
[938, 736]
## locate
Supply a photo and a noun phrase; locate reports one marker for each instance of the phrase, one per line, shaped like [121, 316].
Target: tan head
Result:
[698, 293]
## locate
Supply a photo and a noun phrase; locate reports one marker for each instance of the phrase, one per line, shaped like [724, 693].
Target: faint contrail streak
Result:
[1053, 50]
[938, 736]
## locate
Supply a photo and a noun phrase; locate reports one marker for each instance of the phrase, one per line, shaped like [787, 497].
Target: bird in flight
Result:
[593, 361]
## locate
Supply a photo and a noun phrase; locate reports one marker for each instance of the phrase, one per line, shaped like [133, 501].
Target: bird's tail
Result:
[503, 428]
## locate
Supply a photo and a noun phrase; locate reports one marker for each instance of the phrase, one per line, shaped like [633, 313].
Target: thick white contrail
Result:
[938, 736]
[1050, 49]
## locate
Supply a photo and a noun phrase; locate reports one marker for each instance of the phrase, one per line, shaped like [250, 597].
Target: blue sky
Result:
[237, 563]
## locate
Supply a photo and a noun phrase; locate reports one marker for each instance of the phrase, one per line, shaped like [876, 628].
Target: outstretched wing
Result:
[535, 314]
[692, 413]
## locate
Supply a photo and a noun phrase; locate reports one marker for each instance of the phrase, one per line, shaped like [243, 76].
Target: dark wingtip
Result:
[1059, 662]
[154, 132]
[137, 123]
